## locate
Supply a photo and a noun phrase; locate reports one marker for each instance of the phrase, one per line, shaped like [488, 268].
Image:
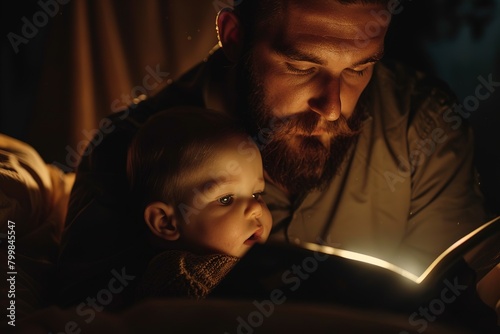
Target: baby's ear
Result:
[162, 221]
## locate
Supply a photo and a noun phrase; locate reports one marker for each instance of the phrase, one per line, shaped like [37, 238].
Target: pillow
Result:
[33, 202]
[33, 194]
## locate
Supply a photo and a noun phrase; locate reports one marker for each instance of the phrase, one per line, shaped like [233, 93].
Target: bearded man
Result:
[359, 154]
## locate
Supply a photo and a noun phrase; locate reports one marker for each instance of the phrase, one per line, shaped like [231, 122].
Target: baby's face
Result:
[225, 212]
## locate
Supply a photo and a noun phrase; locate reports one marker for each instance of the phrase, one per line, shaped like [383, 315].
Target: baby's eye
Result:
[257, 196]
[226, 200]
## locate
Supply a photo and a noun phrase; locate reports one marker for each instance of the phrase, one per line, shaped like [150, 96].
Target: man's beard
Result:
[293, 158]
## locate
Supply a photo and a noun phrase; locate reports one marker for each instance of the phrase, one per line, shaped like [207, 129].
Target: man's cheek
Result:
[349, 100]
[286, 103]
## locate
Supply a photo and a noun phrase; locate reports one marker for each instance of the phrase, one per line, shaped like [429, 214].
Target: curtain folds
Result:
[100, 55]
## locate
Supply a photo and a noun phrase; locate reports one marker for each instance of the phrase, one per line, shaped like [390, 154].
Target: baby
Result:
[196, 179]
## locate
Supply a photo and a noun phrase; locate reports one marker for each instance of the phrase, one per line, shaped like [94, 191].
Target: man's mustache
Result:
[305, 123]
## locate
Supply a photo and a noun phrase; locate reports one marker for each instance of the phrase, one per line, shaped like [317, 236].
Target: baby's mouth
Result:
[255, 237]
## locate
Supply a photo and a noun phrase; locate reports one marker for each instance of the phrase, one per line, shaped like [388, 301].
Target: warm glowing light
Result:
[361, 258]
[460, 247]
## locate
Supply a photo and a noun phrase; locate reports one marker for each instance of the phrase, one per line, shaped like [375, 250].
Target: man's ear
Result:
[229, 33]
[162, 221]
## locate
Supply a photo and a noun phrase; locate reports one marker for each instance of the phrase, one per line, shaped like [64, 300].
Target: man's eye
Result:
[299, 71]
[357, 72]
[226, 200]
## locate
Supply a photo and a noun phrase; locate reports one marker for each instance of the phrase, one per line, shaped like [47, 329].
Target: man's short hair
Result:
[257, 13]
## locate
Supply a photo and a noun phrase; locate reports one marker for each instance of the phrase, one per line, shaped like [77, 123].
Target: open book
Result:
[441, 264]
[314, 272]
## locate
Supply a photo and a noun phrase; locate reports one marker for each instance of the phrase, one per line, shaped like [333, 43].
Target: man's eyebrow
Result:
[296, 55]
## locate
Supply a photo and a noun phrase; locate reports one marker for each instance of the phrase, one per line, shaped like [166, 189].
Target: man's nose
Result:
[326, 102]
[253, 208]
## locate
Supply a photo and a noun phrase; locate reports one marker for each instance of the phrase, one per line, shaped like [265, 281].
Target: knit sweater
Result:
[182, 274]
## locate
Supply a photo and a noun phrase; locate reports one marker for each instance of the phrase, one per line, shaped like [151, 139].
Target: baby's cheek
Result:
[268, 223]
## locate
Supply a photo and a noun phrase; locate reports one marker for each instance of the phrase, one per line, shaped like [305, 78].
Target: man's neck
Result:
[220, 93]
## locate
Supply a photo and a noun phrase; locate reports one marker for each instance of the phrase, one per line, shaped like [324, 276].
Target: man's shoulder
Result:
[412, 83]
[188, 89]
[192, 87]
[413, 94]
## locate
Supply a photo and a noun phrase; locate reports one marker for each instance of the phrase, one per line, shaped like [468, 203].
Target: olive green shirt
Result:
[406, 191]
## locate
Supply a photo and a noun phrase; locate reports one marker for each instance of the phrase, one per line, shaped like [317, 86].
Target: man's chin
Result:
[297, 163]
[298, 141]
[324, 139]
[302, 163]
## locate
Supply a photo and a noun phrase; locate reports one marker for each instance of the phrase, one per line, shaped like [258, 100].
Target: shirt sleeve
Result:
[446, 202]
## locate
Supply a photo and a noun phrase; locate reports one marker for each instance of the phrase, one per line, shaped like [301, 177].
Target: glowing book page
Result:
[439, 265]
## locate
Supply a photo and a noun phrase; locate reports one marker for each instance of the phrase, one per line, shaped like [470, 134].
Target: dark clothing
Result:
[182, 274]
[405, 192]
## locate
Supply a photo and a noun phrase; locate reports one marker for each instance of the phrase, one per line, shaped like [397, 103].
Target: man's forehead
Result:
[334, 21]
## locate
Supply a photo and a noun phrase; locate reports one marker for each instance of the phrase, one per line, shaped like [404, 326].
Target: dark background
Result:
[458, 41]
[66, 77]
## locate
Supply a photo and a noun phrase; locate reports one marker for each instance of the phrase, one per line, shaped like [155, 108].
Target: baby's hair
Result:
[169, 147]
